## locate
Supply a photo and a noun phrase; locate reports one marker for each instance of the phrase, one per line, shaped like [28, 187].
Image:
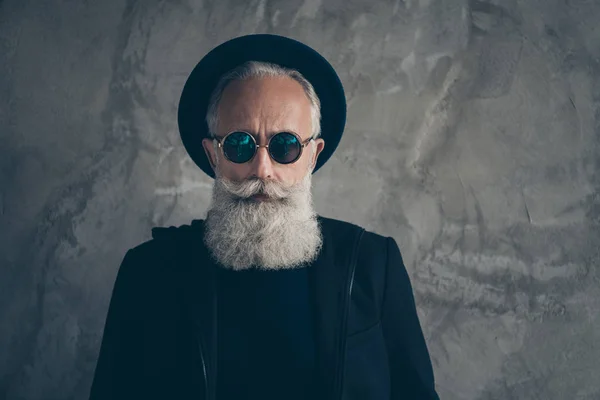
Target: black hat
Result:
[275, 49]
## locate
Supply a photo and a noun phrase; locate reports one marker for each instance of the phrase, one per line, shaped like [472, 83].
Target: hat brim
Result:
[276, 49]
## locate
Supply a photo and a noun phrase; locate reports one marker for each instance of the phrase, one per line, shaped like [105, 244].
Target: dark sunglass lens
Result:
[284, 147]
[239, 147]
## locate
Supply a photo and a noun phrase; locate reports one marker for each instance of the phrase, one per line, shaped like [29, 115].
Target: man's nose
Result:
[262, 164]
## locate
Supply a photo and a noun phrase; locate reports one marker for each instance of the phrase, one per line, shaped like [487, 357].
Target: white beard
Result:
[242, 233]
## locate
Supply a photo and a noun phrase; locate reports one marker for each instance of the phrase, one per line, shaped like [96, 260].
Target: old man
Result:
[264, 298]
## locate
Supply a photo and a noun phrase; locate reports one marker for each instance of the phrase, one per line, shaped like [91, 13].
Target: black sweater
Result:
[265, 335]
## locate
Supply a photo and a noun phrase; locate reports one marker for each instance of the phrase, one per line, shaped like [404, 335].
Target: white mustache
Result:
[254, 186]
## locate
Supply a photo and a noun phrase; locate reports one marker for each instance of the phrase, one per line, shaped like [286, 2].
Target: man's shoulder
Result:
[181, 232]
[165, 241]
[335, 226]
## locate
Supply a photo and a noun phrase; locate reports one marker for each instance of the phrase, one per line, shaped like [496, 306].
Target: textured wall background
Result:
[472, 139]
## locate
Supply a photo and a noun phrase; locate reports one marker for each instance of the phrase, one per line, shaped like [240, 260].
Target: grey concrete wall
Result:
[472, 138]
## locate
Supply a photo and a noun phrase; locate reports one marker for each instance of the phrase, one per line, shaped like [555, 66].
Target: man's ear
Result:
[210, 153]
[319, 145]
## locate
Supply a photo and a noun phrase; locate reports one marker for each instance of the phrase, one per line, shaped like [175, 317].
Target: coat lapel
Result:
[199, 291]
[328, 277]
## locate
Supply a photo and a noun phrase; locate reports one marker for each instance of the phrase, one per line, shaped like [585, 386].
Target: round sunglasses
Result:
[240, 147]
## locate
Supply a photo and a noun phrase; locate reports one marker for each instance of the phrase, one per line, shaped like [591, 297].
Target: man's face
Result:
[281, 232]
[264, 107]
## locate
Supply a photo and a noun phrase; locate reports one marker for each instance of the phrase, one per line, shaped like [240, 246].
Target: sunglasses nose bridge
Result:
[266, 146]
[258, 147]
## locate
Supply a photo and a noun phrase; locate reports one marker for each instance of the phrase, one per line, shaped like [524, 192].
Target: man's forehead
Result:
[249, 110]
[271, 117]
[268, 105]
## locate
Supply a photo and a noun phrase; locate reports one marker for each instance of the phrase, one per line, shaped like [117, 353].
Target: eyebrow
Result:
[269, 134]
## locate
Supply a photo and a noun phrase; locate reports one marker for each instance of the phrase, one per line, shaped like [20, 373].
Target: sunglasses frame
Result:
[303, 144]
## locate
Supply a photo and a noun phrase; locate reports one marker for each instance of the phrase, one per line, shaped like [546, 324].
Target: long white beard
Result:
[242, 233]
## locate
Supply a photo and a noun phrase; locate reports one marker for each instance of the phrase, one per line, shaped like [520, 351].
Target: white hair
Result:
[259, 69]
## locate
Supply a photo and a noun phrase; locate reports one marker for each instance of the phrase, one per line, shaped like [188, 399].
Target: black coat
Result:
[160, 343]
